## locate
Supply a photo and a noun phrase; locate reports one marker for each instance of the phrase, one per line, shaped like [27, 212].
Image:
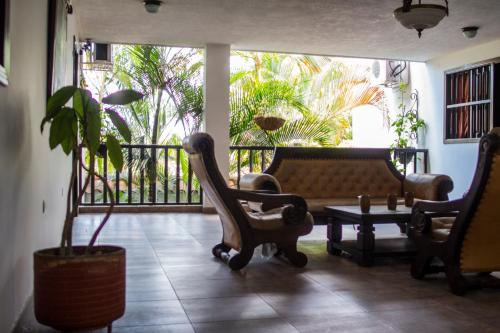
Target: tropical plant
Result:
[407, 123]
[171, 81]
[84, 121]
[314, 94]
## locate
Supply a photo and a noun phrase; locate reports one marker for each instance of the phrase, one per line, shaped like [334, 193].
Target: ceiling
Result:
[355, 28]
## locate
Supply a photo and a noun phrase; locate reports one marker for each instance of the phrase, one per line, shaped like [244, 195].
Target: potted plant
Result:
[82, 287]
[406, 125]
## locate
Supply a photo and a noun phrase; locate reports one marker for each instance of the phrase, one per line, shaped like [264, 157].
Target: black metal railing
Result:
[152, 175]
[162, 174]
[411, 158]
[248, 159]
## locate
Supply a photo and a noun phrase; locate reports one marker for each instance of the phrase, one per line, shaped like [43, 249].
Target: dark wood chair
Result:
[464, 234]
[244, 230]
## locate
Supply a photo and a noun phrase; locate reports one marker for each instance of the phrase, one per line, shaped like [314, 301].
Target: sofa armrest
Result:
[428, 186]
[260, 181]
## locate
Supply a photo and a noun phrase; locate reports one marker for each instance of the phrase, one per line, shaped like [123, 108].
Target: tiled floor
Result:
[175, 285]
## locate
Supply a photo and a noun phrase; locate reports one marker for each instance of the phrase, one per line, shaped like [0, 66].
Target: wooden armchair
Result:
[242, 230]
[464, 234]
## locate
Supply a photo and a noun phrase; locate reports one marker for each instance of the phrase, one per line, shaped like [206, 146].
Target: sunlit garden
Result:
[275, 100]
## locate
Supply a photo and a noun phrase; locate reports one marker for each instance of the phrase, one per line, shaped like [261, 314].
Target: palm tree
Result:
[170, 79]
[314, 94]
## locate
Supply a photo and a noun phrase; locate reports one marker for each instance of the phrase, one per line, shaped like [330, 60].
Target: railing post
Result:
[105, 175]
[178, 175]
[129, 176]
[141, 190]
[165, 185]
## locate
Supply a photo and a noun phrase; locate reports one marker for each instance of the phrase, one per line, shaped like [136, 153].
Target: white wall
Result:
[216, 114]
[455, 160]
[29, 171]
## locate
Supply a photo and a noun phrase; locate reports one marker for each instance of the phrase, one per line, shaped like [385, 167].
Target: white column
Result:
[216, 118]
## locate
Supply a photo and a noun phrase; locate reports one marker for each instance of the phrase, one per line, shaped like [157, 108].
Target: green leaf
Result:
[49, 117]
[120, 125]
[122, 97]
[63, 130]
[67, 144]
[93, 131]
[59, 99]
[81, 99]
[114, 152]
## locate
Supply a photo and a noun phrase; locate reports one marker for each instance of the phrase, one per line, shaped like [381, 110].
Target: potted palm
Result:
[83, 287]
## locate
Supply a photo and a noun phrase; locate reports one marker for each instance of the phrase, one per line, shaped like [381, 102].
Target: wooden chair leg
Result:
[220, 248]
[420, 265]
[240, 260]
[456, 281]
[296, 258]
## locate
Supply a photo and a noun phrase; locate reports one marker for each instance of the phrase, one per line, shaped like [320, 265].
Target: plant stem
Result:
[108, 212]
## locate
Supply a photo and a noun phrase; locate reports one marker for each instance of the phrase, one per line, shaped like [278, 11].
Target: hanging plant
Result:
[269, 123]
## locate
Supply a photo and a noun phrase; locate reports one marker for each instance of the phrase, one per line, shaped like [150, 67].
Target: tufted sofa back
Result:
[335, 172]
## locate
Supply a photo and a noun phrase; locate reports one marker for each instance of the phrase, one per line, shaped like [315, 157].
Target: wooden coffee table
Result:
[364, 249]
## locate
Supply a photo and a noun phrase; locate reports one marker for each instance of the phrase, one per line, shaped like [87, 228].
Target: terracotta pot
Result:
[269, 123]
[80, 291]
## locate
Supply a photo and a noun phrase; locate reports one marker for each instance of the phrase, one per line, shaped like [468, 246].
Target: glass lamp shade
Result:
[420, 17]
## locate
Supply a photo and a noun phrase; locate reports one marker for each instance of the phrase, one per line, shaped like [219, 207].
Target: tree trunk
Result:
[151, 163]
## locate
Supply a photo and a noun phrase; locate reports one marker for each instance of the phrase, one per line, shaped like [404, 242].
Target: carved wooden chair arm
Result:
[438, 206]
[423, 212]
[295, 213]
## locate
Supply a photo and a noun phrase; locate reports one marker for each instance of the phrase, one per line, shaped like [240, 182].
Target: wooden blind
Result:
[469, 103]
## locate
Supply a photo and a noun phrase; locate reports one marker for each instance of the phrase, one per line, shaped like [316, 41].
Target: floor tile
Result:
[153, 313]
[175, 285]
[227, 309]
[246, 326]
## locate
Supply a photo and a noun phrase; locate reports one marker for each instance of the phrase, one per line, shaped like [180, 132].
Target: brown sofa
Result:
[336, 176]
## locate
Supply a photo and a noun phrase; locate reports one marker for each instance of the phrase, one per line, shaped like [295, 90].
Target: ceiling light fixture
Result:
[421, 16]
[470, 32]
[152, 6]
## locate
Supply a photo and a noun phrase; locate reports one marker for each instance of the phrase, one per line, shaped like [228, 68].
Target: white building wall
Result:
[30, 172]
[455, 160]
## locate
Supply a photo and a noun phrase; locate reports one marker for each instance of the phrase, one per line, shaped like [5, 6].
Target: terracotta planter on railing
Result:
[83, 291]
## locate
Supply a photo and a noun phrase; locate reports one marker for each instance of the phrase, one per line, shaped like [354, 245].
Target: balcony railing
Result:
[152, 175]
[162, 174]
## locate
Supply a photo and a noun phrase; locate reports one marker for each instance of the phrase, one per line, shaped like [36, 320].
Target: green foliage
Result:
[120, 124]
[114, 152]
[313, 94]
[407, 123]
[122, 97]
[170, 79]
[86, 115]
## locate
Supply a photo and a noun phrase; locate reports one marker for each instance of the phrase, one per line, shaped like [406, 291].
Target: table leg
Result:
[402, 227]
[366, 243]
[334, 235]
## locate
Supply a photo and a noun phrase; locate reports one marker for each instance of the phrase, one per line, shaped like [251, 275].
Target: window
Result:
[470, 110]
